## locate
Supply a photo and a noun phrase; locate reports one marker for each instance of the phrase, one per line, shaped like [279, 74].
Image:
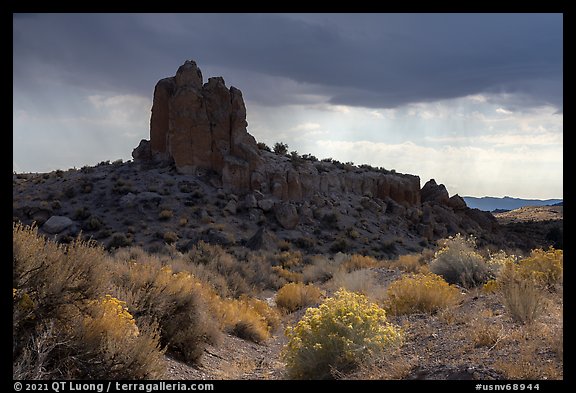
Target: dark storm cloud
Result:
[375, 60]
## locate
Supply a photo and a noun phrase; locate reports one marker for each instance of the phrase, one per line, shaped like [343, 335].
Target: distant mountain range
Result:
[506, 203]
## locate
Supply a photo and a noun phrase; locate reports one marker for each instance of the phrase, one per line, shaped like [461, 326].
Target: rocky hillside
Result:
[202, 176]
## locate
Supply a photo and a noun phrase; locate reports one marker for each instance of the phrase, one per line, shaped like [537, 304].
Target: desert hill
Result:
[202, 176]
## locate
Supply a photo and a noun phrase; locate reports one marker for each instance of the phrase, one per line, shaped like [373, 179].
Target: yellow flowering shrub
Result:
[294, 296]
[110, 315]
[496, 261]
[338, 335]
[420, 293]
[491, 286]
[545, 266]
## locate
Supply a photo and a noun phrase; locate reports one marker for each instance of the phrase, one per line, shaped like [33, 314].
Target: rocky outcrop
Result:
[432, 192]
[201, 127]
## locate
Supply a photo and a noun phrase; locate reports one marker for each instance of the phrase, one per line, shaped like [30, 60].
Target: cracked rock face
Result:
[202, 126]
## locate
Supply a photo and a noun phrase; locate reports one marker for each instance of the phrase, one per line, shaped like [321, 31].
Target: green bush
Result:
[459, 263]
[280, 148]
[339, 335]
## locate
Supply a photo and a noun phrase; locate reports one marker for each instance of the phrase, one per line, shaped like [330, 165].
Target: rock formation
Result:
[202, 128]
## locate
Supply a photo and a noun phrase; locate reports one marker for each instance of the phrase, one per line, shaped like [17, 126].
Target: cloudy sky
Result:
[471, 100]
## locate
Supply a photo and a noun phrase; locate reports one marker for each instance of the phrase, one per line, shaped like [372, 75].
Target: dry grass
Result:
[294, 296]
[415, 293]
[390, 365]
[521, 295]
[410, 263]
[528, 362]
[360, 281]
[484, 332]
[356, 262]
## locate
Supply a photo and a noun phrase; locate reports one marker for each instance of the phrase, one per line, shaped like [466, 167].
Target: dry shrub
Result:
[288, 275]
[410, 263]
[521, 294]
[177, 301]
[289, 259]
[294, 296]
[53, 275]
[459, 263]
[360, 281]
[220, 265]
[63, 327]
[248, 318]
[191, 310]
[415, 293]
[318, 269]
[356, 262]
[165, 215]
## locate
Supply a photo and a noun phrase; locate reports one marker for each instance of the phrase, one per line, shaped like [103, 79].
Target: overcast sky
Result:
[471, 100]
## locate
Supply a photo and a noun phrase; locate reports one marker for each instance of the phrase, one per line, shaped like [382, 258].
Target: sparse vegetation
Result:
[263, 146]
[280, 148]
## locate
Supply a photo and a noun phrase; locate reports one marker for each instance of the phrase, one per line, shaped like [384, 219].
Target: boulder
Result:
[287, 215]
[57, 224]
[266, 204]
[231, 207]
